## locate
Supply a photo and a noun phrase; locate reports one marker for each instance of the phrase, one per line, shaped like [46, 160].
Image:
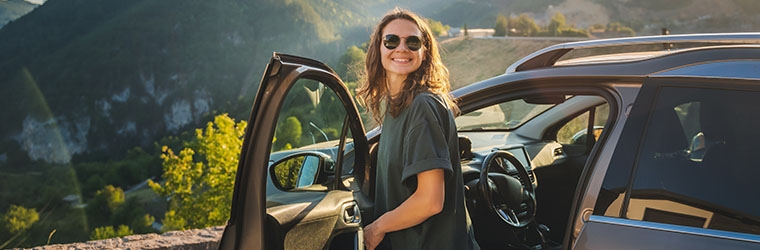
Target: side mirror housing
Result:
[300, 170]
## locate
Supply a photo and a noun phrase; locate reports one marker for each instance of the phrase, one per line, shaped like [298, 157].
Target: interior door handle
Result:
[351, 213]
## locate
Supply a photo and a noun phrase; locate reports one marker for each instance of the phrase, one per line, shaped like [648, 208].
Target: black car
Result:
[629, 143]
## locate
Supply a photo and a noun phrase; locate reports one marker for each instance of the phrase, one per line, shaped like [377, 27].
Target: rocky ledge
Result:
[207, 238]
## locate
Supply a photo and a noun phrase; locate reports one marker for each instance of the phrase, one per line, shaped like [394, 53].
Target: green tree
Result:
[199, 187]
[620, 28]
[287, 172]
[351, 64]
[288, 132]
[436, 27]
[143, 224]
[108, 232]
[19, 218]
[104, 205]
[502, 26]
[524, 25]
[556, 25]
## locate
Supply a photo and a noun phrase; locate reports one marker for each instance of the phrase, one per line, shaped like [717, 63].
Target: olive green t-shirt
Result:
[423, 137]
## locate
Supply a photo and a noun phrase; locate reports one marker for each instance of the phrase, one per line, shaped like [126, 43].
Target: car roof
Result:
[626, 49]
[707, 55]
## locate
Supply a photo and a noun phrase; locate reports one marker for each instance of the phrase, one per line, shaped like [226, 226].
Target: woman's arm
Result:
[426, 201]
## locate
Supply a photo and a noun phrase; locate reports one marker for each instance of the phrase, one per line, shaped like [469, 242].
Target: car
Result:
[635, 181]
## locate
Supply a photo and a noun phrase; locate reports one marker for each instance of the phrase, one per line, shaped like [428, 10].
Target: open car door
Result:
[303, 155]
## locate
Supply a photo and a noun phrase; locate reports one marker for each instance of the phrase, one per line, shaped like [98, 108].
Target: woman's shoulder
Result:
[427, 102]
[427, 99]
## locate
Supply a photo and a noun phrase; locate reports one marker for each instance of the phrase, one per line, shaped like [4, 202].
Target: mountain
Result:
[12, 9]
[89, 79]
[102, 76]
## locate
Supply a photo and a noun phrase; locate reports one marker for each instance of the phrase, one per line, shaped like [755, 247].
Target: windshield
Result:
[502, 116]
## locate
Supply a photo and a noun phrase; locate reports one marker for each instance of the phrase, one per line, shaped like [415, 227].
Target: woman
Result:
[419, 198]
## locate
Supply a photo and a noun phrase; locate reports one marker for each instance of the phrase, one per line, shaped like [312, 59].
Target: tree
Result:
[502, 26]
[557, 24]
[199, 187]
[104, 205]
[620, 28]
[19, 218]
[351, 63]
[524, 25]
[437, 28]
[108, 232]
[288, 133]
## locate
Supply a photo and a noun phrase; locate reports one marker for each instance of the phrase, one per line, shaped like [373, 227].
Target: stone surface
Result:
[196, 239]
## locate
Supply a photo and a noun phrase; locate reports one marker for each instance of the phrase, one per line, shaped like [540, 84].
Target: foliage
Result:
[19, 218]
[143, 224]
[351, 64]
[135, 167]
[620, 28]
[523, 25]
[199, 187]
[557, 24]
[132, 213]
[287, 172]
[501, 27]
[108, 232]
[103, 206]
[437, 28]
[288, 133]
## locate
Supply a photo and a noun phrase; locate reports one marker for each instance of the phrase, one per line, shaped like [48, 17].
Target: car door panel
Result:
[262, 218]
[614, 233]
[312, 223]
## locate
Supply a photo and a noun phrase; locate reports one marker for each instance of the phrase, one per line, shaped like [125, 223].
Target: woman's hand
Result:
[372, 236]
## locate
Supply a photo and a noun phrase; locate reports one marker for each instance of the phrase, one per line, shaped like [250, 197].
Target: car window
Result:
[696, 165]
[502, 116]
[311, 119]
[574, 131]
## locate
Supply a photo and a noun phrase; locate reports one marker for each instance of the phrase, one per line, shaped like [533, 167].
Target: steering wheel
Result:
[504, 195]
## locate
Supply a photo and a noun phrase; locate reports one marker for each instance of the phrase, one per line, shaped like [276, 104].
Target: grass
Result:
[471, 60]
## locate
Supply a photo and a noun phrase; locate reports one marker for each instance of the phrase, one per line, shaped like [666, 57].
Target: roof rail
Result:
[548, 56]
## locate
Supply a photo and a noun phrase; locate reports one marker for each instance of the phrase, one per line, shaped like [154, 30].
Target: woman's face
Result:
[399, 62]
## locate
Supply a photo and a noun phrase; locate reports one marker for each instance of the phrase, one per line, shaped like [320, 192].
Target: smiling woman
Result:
[419, 199]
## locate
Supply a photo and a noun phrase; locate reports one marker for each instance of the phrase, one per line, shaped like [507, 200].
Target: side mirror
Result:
[300, 170]
[697, 147]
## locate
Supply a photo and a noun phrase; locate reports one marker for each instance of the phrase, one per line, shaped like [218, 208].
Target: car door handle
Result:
[351, 213]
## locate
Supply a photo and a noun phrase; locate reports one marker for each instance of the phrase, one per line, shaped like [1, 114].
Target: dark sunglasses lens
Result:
[391, 41]
[413, 43]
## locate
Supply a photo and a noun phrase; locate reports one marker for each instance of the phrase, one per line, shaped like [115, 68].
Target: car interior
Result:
[522, 157]
[544, 139]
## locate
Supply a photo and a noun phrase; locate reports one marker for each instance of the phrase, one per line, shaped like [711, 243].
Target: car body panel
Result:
[307, 212]
[612, 233]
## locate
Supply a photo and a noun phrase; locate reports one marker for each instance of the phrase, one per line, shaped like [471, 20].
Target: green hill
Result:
[109, 75]
[96, 77]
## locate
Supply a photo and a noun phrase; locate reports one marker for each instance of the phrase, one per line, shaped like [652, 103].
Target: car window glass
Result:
[503, 116]
[574, 131]
[696, 165]
[311, 119]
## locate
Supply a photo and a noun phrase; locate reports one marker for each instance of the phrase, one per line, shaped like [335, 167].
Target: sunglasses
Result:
[391, 41]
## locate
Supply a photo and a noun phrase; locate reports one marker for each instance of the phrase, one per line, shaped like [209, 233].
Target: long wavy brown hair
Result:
[432, 76]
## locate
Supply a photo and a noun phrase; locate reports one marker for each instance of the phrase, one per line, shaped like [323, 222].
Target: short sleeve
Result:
[426, 145]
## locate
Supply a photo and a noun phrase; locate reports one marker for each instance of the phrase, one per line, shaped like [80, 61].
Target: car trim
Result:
[549, 56]
[704, 232]
[734, 69]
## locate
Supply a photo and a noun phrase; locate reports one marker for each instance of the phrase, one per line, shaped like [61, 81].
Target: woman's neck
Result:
[395, 85]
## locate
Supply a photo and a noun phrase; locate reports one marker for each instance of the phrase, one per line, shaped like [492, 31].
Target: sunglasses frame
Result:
[392, 41]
